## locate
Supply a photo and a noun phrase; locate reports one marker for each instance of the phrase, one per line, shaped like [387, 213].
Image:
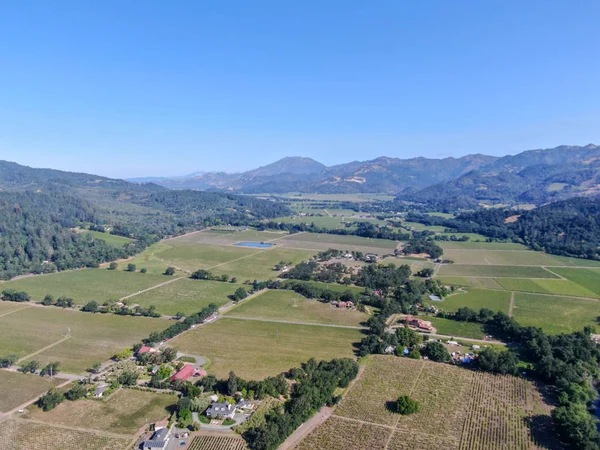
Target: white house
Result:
[221, 410]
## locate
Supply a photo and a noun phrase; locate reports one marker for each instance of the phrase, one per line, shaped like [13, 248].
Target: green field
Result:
[110, 239]
[17, 388]
[95, 337]
[474, 237]
[186, 295]
[327, 222]
[86, 284]
[588, 278]
[341, 242]
[485, 283]
[463, 270]
[260, 265]
[289, 306]
[476, 299]
[416, 226]
[338, 287]
[224, 237]
[255, 349]
[148, 260]
[191, 257]
[476, 245]
[557, 287]
[567, 261]
[556, 314]
[125, 412]
[500, 257]
[451, 327]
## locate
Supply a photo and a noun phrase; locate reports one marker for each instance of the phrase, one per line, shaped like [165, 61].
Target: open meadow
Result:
[186, 295]
[124, 412]
[191, 257]
[342, 242]
[21, 434]
[499, 257]
[258, 349]
[86, 284]
[455, 328]
[483, 283]
[475, 299]
[556, 314]
[110, 239]
[588, 278]
[480, 245]
[94, 337]
[289, 306]
[17, 388]
[494, 271]
[558, 287]
[460, 409]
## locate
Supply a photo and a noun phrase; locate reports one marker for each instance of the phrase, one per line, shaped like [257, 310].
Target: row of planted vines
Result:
[217, 443]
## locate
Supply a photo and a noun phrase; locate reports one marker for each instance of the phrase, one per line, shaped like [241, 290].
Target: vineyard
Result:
[217, 443]
[460, 410]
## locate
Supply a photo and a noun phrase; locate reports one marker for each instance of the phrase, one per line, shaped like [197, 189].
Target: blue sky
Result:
[163, 88]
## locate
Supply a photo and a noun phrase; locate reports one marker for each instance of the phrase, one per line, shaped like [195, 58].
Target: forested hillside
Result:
[40, 209]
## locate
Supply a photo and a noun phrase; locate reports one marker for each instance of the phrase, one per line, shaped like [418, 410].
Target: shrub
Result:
[406, 405]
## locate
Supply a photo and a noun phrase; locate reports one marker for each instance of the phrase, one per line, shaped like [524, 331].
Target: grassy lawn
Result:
[568, 261]
[255, 350]
[186, 295]
[484, 283]
[95, 337]
[476, 299]
[37, 436]
[87, 284]
[588, 278]
[556, 314]
[110, 239]
[478, 245]
[17, 388]
[192, 257]
[340, 241]
[500, 257]
[260, 265]
[124, 412]
[457, 329]
[287, 305]
[558, 287]
[494, 271]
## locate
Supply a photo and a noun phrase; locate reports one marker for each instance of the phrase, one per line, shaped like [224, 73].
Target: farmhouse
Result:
[244, 404]
[145, 349]
[184, 373]
[221, 410]
[419, 323]
[100, 390]
[159, 440]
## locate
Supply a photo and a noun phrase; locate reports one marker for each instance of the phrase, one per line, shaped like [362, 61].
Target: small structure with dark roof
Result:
[220, 410]
[159, 440]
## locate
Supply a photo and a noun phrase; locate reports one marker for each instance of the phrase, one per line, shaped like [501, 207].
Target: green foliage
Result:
[436, 352]
[51, 369]
[12, 295]
[577, 426]
[76, 392]
[30, 366]
[131, 268]
[8, 361]
[48, 300]
[128, 378]
[170, 271]
[406, 405]
[143, 270]
[50, 400]
[91, 306]
[496, 361]
[240, 294]
[113, 266]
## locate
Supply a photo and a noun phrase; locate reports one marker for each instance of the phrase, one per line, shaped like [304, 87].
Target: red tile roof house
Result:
[145, 349]
[419, 323]
[184, 373]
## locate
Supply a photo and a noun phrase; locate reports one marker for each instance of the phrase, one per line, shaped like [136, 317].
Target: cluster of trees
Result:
[180, 327]
[420, 245]
[569, 227]
[315, 386]
[310, 290]
[54, 397]
[326, 273]
[12, 295]
[206, 275]
[62, 302]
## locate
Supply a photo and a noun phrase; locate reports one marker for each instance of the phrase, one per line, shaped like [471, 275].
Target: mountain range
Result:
[533, 176]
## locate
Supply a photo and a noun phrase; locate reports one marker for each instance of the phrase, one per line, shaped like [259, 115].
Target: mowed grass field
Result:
[110, 239]
[340, 241]
[461, 270]
[558, 287]
[485, 283]
[588, 278]
[260, 265]
[556, 314]
[186, 295]
[460, 409]
[95, 337]
[86, 284]
[455, 328]
[476, 299]
[19, 434]
[191, 257]
[124, 412]
[500, 257]
[480, 245]
[255, 349]
[289, 306]
[17, 388]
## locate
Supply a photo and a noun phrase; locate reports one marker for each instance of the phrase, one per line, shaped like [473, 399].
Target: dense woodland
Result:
[569, 227]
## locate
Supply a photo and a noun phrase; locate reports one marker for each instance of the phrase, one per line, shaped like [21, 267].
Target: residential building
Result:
[221, 410]
[100, 390]
[159, 440]
[244, 404]
[419, 323]
[184, 373]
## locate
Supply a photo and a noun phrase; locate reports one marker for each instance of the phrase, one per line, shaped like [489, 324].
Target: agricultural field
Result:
[588, 278]
[330, 222]
[337, 287]
[7, 308]
[17, 388]
[148, 259]
[186, 295]
[20, 434]
[86, 284]
[124, 412]
[289, 306]
[94, 337]
[484, 283]
[556, 314]
[110, 239]
[480, 245]
[557, 287]
[260, 265]
[460, 409]
[224, 237]
[494, 271]
[257, 349]
[500, 257]
[191, 257]
[473, 237]
[217, 443]
[577, 262]
[416, 226]
[339, 241]
[476, 299]
[455, 328]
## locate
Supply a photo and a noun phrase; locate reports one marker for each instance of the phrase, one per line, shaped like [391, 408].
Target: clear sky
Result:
[139, 87]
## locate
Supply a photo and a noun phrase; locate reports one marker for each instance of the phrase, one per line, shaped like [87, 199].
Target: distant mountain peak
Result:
[298, 165]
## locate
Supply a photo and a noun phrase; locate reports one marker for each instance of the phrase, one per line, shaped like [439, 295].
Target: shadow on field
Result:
[542, 432]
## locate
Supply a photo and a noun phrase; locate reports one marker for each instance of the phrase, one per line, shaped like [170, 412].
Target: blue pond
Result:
[255, 244]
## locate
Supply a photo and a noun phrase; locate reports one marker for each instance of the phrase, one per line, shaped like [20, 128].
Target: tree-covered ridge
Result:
[569, 227]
